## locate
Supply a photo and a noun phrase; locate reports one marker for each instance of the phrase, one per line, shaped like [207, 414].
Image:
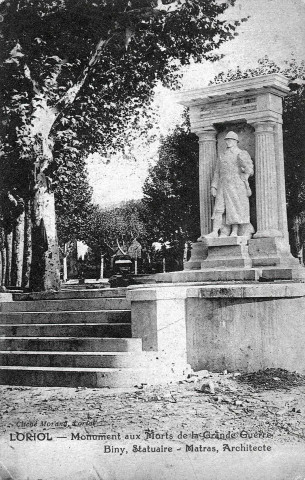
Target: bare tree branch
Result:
[70, 95]
[28, 75]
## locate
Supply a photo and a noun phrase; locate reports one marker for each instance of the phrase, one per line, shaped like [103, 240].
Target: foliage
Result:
[92, 66]
[171, 191]
[73, 197]
[114, 227]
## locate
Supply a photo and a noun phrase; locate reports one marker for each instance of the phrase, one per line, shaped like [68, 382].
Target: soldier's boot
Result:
[217, 222]
[234, 230]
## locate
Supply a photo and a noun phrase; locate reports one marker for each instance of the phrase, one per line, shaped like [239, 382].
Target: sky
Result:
[275, 28]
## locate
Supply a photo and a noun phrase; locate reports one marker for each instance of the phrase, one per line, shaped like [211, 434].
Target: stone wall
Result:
[243, 327]
[246, 334]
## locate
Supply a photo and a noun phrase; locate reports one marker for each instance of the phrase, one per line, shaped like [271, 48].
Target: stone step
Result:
[119, 303]
[82, 286]
[209, 275]
[74, 377]
[78, 359]
[233, 262]
[98, 316]
[68, 294]
[117, 330]
[70, 344]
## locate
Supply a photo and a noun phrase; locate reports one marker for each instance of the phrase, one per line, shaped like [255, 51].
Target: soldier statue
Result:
[231, 190]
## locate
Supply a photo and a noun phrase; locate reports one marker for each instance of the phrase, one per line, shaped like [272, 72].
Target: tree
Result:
[83, 72]
[171, 191]
[115, 229]
[73, 200]
[73, 196]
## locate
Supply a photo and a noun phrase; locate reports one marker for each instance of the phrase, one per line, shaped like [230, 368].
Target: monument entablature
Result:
[248, 100]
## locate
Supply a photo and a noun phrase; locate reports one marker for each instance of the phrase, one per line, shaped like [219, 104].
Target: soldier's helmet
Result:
[232, 135]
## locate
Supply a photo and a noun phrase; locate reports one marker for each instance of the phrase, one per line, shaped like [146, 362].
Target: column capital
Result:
[207, 134]
[263, 126]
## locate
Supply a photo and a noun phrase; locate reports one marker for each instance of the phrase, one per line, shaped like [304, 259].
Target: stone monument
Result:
[248, 111]
[236, 323]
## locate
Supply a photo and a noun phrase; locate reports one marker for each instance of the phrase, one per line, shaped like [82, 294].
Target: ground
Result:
[218, 426]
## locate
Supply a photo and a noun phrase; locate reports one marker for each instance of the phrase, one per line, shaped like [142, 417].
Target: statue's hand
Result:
[213, 191]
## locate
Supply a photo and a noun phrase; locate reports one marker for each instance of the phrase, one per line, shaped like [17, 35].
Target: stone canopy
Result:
[251, 99]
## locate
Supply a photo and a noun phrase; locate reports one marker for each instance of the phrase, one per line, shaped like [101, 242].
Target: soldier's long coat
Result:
[231, 175]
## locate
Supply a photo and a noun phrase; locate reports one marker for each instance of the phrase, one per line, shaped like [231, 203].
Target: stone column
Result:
[266, 181]
[281, 188]
[269, 246]
[207, 161]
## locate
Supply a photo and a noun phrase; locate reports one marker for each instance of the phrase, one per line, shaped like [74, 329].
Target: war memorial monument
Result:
[239, 303]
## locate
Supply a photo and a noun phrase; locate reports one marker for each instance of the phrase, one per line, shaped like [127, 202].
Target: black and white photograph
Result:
[152, 240]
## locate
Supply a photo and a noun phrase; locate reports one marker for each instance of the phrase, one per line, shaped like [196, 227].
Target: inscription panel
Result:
[230, 106]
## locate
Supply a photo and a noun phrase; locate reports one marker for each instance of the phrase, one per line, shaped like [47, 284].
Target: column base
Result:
[227, 252]
[269, 274]
[268, 234]
[6, 297]
[198, 254]
[270, 252]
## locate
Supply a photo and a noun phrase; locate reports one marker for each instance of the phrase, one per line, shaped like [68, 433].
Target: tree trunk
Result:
[45, 271]
[294, 235]
[9, 241]
[102, 267]
[3, 257]
[3, 273]
[45, 268]
[17, 251]
[1, 268]
[65, 264]
[27, 252]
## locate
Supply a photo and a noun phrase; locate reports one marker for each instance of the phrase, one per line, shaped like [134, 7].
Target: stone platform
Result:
[243, 327]
[239, 259]
[227, 252]
[261, 274]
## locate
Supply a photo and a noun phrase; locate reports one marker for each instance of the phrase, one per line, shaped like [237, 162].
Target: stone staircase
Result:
[78, 338]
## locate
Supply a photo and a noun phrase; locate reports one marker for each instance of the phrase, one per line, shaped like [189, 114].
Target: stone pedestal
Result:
[199, 252]
[272, 251]
[243, 327]
[227, 252]
[272, 256]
